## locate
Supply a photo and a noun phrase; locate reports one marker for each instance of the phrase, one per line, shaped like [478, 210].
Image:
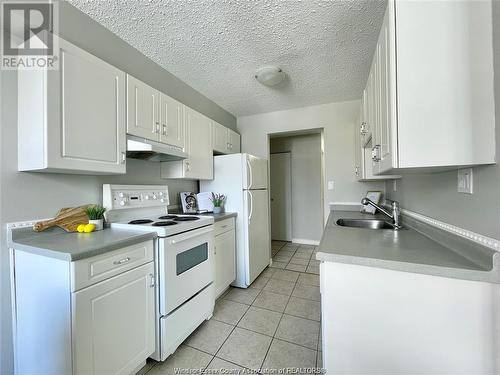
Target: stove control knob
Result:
[162, 200]
[122, 203]
[121, 195]
[154, 196]
[146, 197]
[161, 193]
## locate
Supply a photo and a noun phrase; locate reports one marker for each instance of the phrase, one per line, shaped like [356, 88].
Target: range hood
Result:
[144, 149]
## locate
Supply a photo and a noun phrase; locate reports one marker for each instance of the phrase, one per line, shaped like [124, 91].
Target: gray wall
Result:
[305, 151]
[26, 196]
[435, 195]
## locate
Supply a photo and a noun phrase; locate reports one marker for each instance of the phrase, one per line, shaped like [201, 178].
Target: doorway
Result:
[296, 188]
[281, 196]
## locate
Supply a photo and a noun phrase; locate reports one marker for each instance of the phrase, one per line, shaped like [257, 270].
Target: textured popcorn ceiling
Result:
[325, 47]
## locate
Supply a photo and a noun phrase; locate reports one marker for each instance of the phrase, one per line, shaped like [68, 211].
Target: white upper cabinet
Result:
[225, 140]
[200, 163]
[433, 80]
[234, 142]
[171, 121]
[143, 110]
[219, 138]
[154, 115]
[72, 120]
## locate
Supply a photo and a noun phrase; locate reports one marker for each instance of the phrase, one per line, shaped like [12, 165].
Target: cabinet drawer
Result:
[223, 226]
[89, 271]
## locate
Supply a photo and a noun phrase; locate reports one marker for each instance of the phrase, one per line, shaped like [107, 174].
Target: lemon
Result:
[89, 228]
[80, 228]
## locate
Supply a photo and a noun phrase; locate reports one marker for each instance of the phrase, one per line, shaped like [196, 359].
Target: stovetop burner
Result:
[141, 221]
[168, 217]
[186, 218]
[163, 223]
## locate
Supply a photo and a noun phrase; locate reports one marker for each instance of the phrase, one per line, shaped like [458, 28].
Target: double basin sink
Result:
[366, 223]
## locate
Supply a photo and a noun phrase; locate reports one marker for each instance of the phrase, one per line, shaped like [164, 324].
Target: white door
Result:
[92, 114]
[171, 121]
[142, 109]
[219, 138]
[258, 239]
[281, 197]
[200, 164]
[233, 142]
[254, 172]
[225, 262]
[114, 323]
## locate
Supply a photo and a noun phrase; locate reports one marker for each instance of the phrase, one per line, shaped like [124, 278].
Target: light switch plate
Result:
[330, 185]
[465, 181]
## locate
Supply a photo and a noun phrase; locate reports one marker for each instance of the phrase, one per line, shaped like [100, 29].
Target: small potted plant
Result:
[218, 201]
[96, 216]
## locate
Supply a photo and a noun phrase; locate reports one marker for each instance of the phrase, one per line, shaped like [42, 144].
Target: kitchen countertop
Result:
[406, 250]
[56, 243]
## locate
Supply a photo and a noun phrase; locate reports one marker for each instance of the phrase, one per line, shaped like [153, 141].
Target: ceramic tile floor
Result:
[274, 324]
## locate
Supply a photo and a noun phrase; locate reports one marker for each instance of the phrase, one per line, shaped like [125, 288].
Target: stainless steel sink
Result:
[365, 223]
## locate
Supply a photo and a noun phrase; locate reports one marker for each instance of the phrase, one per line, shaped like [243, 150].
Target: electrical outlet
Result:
[330, 185]
[465, 181]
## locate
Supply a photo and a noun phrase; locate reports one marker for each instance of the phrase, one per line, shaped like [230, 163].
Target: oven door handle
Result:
[190, 235]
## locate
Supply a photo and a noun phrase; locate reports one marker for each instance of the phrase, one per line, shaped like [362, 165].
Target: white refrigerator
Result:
[243, 178]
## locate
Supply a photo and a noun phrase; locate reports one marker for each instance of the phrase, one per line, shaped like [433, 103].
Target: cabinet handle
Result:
[363, 128]
[121, 261]
[157, 127]
[356, 171]
[124, 157]
[188, 167]
[152, 278]
[164, 131]
[375, 153]
[228, 145]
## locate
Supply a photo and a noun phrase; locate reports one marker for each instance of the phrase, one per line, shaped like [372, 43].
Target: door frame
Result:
[289, 201]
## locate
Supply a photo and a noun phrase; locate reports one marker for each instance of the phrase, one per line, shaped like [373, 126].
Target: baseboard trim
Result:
[489, 242]
[303, 241]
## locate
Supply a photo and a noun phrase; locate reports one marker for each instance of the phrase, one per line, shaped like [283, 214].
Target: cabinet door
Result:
[387, 58]
[200, 164]
[142, 110]
[220, 138]
[91, 113]
[225, 261]
[234, 142]
[376, 109]
[358, 173]
[114, 323]
[171, 121]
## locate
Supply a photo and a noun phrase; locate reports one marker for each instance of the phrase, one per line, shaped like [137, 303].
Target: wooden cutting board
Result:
[67, 218]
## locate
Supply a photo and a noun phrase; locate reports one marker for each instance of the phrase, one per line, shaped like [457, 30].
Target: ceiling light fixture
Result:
[270, 75]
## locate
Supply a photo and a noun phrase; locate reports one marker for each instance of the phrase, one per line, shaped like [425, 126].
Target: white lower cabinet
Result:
[225, 255]
[94, 316]
[113, 323]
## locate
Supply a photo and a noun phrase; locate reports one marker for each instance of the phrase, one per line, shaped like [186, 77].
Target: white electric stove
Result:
[183, 259]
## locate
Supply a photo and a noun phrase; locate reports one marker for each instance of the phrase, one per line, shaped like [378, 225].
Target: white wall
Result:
[307, 200]
[338, 123]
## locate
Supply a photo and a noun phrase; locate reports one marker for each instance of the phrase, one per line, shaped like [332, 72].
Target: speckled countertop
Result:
[56, 243]
[407, 250]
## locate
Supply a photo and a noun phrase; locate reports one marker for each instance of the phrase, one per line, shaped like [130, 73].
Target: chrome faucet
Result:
[395, 211]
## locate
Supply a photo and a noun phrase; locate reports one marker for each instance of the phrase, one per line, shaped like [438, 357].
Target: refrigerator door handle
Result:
[251, 205]
[249, 174]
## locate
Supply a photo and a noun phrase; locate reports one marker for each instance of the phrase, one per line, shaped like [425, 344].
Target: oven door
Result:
[185, 267]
